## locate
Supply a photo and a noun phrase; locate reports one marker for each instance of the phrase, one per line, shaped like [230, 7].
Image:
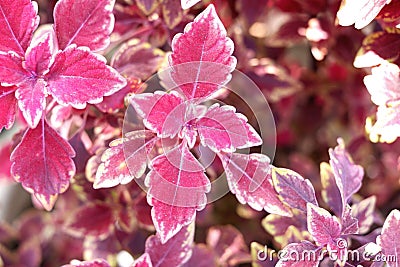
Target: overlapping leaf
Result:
[8, 106]
[84, 23]
[389, 241]
[143, 261]
[323, 227]
[330, 191]
[51, 155]
[363, 211]
[249, 178]
[206, 51]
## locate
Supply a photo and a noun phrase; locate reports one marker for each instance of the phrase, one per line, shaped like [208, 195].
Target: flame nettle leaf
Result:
[143, 261]
[221, 129]
[207, 52]
[84, 23]
[250, 179]
[359, 12]
[293, 189]
[177, 186]
[348, 175]
[51, 155]
[202, 256]
[172, 12]
[39, 54]
[79, 76]
[18, 21]
[175, 252]
[163, 113]
[363, 211]
[323, 227]
[330, 192]
[11, 70]
[304, 248]
[116, 168]
[92, 263]
[349, 222]
[92, 219]
[186, 4]
[147, 6]
[8, 106]
[389, 241]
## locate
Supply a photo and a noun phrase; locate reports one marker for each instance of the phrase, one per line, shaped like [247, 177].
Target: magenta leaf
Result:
[349, 222]
[250, 179]
[389, 239]
[39, 54]
[348, 175]
[51, 155]
[8, 106]
[11, 70]
[330, 192]
[186, 4]
[310, 251]
[363, 211]
[84, 23]
[92, 263]
[79, 76]
[18, 21]
[222, 129]
[176, 252]
[293, 189]
[177, 186]
[360, 12]
[125, 159]
[163, 113]
[143, 261]
[323, 227]
[92, 219]
[207, 50]
[202, 256]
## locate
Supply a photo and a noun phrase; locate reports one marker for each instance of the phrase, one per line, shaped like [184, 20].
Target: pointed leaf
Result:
[43, 148]
[310, 251]
[79, 76]
[143, 261]
[92, 219]
[39, 55]
[348, 175]
[31, 100]
[177, 186]
[221, 129]
[249, 178]
[186, 4]
[147, 6]
[11, 70]
[293, 188]
[18, 21]
[84, 23]
[204, 43]
[175, 252]
[322, 225]
[172, 12]
[163, 113]
[8, 105]
[116, 168]
[349, 222]
[360, 12]
[330, 192]
[389, 239]
[363, 211]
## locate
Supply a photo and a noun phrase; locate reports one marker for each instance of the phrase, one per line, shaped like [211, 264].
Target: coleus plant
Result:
[72, 105]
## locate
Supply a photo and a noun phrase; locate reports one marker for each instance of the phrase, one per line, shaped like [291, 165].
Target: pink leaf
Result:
[8, 105]
[330, 192]
[79, 76]
[11, 70]
[163, 113]
[39, 55]
[293, 189]
[348, 175]
[349, 222]
[43, 148]
[92, 263]
[92, 219]
[84, 23]
[143, 261]
[360, 12]
[389, 238]
[363, 211]
[304, 248]
[249, 178]
[18, 21]
[322, 225]
[31, 100]
[221, 129]
[116, 168]
[208, 51]
[175, 252]
[177, 186]
[202, 256]
[186, 4]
